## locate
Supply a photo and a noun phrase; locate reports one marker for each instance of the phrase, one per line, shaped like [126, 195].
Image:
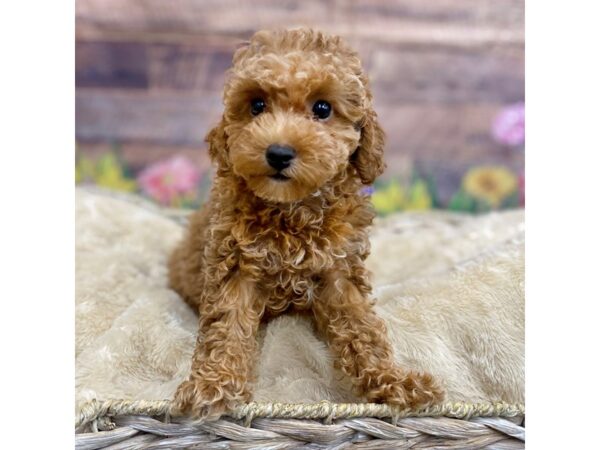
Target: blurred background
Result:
[447, 76]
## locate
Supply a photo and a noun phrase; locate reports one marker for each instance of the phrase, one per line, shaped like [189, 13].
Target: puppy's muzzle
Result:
[280, 157]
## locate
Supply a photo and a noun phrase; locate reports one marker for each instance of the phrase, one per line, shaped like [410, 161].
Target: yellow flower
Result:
[388, 199]
[85, 170]
[113, 178]
[107, 172]
[419, 197]
[492, 184]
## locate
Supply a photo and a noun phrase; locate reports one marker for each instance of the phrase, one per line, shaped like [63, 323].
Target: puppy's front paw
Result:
[200, 400]
[407, 389]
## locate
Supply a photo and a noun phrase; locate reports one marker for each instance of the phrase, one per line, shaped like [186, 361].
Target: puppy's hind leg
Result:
[186, 263]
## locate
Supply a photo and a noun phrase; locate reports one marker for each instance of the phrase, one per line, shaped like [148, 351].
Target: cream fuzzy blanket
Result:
[450, 288]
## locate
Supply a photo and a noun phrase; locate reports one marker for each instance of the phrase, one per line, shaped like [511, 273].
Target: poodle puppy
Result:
[285, 228]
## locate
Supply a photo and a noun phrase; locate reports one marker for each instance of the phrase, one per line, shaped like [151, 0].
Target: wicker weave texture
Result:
[115, 425]
[142, 432]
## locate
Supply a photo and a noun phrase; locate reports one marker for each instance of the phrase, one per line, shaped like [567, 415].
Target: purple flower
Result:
[509, 125]
[367, 191]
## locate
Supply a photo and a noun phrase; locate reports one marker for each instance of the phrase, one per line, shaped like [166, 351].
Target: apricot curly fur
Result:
[261, 246]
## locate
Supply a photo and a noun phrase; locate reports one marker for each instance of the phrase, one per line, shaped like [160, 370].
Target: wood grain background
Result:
[149, 73]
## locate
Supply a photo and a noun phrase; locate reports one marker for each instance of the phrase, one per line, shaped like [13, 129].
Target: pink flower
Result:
[168, 179]
[509, 125]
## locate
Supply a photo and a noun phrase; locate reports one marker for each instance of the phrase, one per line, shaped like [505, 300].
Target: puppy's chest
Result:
[289, 264]
[275, 251]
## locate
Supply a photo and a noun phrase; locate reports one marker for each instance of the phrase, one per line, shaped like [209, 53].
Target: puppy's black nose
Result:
[280, 156]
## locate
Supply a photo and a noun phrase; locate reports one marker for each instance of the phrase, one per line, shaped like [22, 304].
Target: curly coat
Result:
[262, 246]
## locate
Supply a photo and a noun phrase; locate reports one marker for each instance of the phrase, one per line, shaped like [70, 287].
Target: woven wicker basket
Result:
[120, 424]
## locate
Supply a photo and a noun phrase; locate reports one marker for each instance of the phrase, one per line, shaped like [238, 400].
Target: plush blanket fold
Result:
[450, 288]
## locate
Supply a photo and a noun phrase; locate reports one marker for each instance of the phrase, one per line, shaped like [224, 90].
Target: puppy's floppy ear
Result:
[368, 157]
[217, 145]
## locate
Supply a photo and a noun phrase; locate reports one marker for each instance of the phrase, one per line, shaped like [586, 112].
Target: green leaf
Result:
[433, 191]
[461, 201]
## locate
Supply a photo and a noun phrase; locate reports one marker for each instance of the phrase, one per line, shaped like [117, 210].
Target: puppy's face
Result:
[294, 114]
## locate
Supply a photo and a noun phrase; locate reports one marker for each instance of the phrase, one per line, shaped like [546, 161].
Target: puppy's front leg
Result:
[359, 340]
[225, 351]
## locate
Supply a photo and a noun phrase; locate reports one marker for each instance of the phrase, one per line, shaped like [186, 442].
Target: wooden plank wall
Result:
[149, 73]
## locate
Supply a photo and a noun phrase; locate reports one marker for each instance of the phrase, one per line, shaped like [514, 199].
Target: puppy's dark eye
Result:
[321, 109]
[257, 105]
